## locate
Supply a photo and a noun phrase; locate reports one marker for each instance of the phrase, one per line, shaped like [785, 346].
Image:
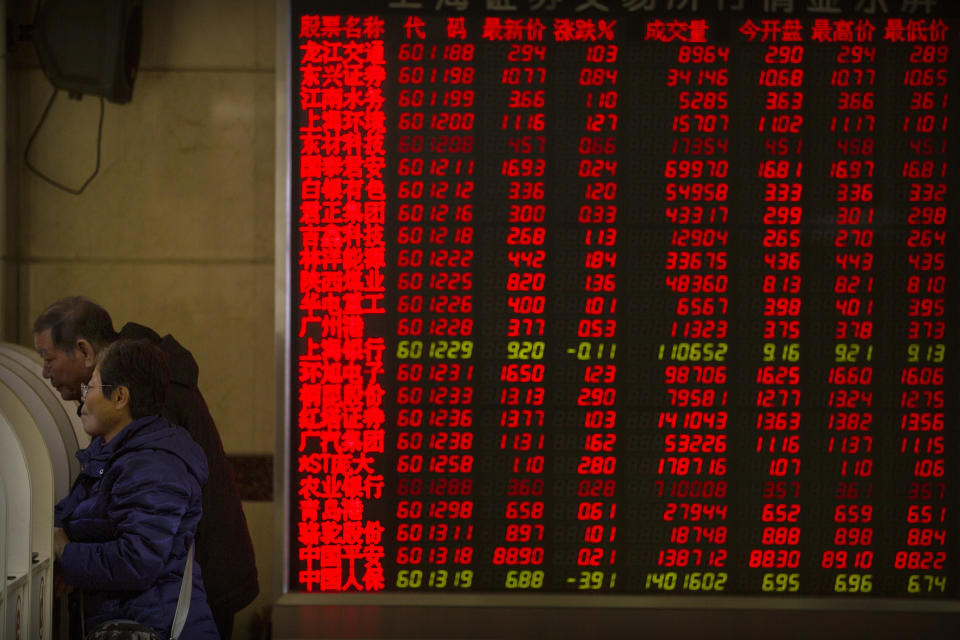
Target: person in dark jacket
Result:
[68, 335]
[123, 533]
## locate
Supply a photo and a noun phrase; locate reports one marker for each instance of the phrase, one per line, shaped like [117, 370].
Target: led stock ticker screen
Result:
[594, 298]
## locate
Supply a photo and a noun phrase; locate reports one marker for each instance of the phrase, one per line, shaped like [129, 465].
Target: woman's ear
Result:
[121, 397]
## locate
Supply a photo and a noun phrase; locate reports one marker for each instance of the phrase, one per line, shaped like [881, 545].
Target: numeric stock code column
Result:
[668, 309]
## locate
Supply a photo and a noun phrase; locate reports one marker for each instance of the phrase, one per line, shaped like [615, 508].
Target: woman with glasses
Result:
[124, 532]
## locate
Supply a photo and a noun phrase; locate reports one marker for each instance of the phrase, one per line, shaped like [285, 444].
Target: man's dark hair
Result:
[141, 367]
[70, 319]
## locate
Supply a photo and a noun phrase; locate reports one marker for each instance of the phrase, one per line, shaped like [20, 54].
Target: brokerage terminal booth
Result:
[613, 318]
[39, 436]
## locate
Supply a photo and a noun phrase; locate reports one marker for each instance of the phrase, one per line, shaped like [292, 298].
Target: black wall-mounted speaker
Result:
[91, 46]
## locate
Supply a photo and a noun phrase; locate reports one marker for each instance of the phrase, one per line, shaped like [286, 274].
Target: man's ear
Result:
[87, 353]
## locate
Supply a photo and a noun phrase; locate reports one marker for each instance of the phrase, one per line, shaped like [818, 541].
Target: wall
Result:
[7, 272]
[177, 230]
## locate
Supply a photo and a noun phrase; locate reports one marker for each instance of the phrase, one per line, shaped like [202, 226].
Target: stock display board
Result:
[623, 298]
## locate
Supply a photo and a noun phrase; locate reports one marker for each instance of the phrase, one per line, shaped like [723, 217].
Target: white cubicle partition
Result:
[48, 416]
[39, 437]
[16, 539]
[30, 541]
[67, 413]
[3, 549]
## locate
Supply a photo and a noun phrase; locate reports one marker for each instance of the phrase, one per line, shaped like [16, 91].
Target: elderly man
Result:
[69, 334]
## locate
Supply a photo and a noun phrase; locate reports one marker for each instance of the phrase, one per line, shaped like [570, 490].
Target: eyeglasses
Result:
[86, 387]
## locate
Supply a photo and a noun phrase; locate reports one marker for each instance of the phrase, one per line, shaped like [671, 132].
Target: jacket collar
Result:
[94, 457]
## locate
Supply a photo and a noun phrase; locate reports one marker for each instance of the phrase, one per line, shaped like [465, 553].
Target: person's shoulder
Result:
[165, 449]
[141, 471]
[134, 331]
[183, 366]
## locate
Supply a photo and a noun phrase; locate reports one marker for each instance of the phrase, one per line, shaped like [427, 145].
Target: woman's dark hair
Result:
[141, 367]
[70, 319]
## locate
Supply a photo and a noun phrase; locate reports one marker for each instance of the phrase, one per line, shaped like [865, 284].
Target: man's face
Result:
[65, 370]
